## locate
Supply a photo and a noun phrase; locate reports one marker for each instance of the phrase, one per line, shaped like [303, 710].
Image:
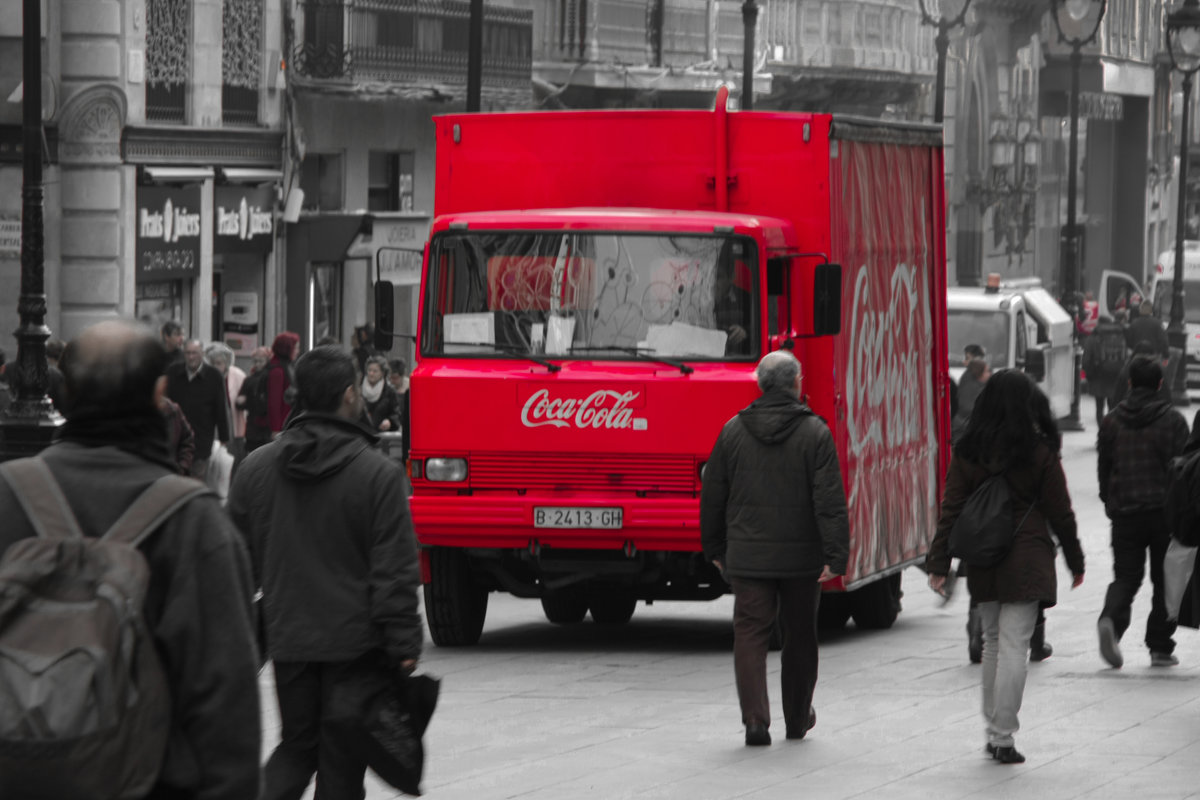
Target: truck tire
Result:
[834, 611]
[875, 606]
[455, 606]
[564, 607]
[612, 608]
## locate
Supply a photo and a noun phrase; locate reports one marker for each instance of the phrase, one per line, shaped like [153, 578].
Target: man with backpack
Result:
[151, 688]
[1137, 442]
[1103, 358]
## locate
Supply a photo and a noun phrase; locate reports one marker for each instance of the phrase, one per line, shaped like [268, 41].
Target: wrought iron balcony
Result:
[420, 42]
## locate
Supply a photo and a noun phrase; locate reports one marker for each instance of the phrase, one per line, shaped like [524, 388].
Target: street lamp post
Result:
[31, 424]
[1071, 18]
[749, 23]
[944, 24]
[1183, 43]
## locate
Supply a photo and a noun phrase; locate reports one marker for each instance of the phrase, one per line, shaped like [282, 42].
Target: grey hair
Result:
[777, 370]
[219, 350]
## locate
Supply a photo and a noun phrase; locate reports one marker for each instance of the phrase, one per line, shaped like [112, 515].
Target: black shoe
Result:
[1039, 648]
[757, 735]
[1007, 755]
[812, 722]
[974, 635]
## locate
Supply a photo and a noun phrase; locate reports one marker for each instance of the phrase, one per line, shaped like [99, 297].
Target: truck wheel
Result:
[454, 606]
[564, 607]
[833, 611]
[612, 608]
[876, 605]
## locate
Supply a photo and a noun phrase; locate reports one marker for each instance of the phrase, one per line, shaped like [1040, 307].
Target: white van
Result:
[1018, 324]
[1117, 287]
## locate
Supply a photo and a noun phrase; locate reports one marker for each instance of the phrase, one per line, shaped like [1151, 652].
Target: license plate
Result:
[571, 517]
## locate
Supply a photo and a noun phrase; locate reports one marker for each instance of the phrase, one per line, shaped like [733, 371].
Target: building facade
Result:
[164, 124]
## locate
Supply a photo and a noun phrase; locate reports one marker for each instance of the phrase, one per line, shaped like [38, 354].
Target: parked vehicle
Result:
[598, 287]
[1018, 324]
[1117, 288]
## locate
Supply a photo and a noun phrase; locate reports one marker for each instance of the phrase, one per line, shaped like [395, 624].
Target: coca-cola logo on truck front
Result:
[598, 409]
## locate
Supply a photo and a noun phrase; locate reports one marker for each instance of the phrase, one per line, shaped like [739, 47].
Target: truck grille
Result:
[621, 473]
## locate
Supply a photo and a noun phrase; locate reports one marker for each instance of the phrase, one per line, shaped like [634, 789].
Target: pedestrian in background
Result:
[326, 517]
[172, 340]
[1145, 327]
[284, 350]
[5, 394]
[220, 356]
[971, 384]
[364, 346]
[1012, 433]
[1120, 388]
[198, 601]
[773, 520]
[200, 391]
[381, 404]
[1137, 441]
[1104, 356]
[181, 441]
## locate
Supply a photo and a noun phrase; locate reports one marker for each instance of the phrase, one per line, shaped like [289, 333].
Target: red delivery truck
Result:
[597, 289]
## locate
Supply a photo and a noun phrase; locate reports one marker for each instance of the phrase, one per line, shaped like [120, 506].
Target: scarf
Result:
[372, 393]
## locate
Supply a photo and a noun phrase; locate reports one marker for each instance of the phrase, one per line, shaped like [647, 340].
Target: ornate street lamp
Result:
[1183, 43]
[952, 14]
[1078, 22]
[31, 424]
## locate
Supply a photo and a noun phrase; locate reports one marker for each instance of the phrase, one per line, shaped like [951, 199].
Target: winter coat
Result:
[279, 380]
[1102, 375]
[198, 608]
[1146, 328]
[386, 407]
[326, 518]
[1135, 443]
[204, 402]
[773, 504]
[1027, 572]
[1120, 388]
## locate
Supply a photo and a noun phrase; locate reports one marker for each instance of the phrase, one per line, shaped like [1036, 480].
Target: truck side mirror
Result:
[385, 316]
[1035, 363]
[827, 300]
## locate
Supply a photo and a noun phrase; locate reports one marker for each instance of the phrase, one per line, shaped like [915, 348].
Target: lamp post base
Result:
[23, 437]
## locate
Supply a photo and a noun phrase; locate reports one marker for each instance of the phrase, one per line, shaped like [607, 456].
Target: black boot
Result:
[1039, 648]
[974, 635]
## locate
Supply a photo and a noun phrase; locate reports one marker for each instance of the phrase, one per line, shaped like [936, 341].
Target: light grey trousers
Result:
[1006, 631]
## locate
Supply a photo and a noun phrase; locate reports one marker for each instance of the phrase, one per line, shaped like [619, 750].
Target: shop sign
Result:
[1101, 106]
[168, 232]
[244, 219]
[10, 238]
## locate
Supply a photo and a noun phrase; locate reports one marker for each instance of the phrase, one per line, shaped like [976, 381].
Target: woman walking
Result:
[381, 404]
[1013, 433]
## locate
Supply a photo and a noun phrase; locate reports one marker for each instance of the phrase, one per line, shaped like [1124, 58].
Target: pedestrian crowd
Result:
[310, 561]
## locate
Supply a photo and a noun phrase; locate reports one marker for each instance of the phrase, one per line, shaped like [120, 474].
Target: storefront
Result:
[169, 225]
[243, 239]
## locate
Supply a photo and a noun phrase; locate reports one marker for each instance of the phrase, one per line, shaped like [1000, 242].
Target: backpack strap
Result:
[42, 498]
[152, 508]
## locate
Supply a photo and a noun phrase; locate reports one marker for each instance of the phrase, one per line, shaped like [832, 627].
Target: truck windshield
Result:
[567, 295]
[1191, 300]
[988, 329]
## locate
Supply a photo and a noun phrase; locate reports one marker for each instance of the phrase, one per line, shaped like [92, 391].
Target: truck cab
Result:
[1019, 325]
[1117, 288]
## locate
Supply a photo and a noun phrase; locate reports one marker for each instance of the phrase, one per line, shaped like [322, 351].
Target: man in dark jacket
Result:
[1146, 327]
[773, 520]
[199, 389]
[1136, 442]
[332, 544]
[198, 604]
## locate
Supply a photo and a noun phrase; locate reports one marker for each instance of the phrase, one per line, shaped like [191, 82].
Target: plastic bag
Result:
[1178, 564]
[220, 470]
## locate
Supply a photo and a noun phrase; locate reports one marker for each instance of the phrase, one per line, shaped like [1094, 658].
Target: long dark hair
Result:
[1010, 418]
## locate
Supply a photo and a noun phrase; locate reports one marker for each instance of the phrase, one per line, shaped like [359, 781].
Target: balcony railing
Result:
[409, 41]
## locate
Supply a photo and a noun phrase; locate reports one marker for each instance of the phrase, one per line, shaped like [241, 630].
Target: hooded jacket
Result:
[198, 604]
[1135, 443]
[773, 504]
[326, 518]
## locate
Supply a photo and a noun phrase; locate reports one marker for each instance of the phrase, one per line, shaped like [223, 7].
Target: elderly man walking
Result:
[773, 519]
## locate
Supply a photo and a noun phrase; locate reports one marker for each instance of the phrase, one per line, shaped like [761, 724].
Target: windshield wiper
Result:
[512, 351]
[642, 353]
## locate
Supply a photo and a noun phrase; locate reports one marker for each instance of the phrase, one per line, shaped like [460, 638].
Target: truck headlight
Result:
[450, 470]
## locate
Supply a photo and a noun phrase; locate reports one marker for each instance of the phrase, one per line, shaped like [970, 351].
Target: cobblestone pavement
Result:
[649, 710]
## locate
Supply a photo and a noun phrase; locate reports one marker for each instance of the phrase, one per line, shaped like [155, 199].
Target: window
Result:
[390, 181]
[241, 60]
[168, 59]
[324, 302]
[321, 182]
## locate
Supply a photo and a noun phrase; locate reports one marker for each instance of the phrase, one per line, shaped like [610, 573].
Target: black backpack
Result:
[1182, 507]
[983, 533]
[255, 391]
[1110, 357]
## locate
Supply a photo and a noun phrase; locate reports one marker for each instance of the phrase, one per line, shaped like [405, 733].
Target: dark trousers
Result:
[1132, 536]
[1101, 403]
[755, 607]
[306, 743]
